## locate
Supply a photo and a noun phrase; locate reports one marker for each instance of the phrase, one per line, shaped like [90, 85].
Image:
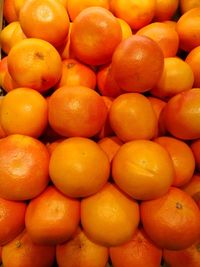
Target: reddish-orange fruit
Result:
[135, 12]
[183, 258]
[22, 252]
[186, 5]
[74, 7]
[76, 111]
[52, 146]
[143, 169]
[192, 188]
[79, 167]
[195, 146]
[140, 251]
[12, 215]
[171, 23]
[82, 251]
[192, 60]
[2, 132]
[46, 19]
[35, 64]
[138, 73]
[110, 145]
[109, 217]
[52, 218]
[9, 11]
[126, 29]
[65, 48]
[0, 254]
[177, 77]
[182, 115]
[188, 28]
[24, 111]
[165, 9]
[24, 163]
[164, 35]
[124, 113]
[8, 84]
[181, 156]
[75, 73]
[92, 29]
[3, 69]
[171, 221]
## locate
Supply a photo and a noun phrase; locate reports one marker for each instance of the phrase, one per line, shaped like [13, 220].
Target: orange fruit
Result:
[140, 251]
[65, 48]
[165, 9]
[8, 84]
[52, 146]
[82, 251]
[164, 35]
[195, 146]
[109, 217]
[192, 60]
[91, 30]
[52, 218]
[35, 64]
[75, 73]
[170, 23]
[76, 111]
[2, 132]
[9, 11]
[186, 5]
[46, 19]
[110, 145]
[192, 188]
[0, 254]
[183, 258]
[24, 111]
[137, 74]
[12, 219]
[182, 115]
[24, 165]
[22, 252]
[135, 12]
[188, 28]
[143, 169]
[79, 167]
[171, 221]
[106, 83]
[181, 156]
[74, 7]
[124, 114]
[64, 3]
[126, 29]
[3, 69]
[177, 77]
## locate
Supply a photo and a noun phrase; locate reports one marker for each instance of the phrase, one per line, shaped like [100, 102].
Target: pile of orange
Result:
[100, 133]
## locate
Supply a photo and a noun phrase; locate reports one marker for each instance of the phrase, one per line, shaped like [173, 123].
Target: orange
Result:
[79, 167]
[46, 19]
[138, 73]
[18, 5]
[0, 254]
[81, 251]
[171, 23]
[24, 165]
[76, 111]
[9, 11]
[2, 132]
[109, 217]
[74, 7]
[75, 73]
[135, 12]
[186, 5]
[181, 155]
[106, 83]
[188, 28]
[12, 219]
[193, 60]
[65, 48]
[171, 221]
[8, 84]
[124, 114]
[140, 251]
[52, 146]
[165, 9]
[110, 145]
[195, 146]
[92, 29]
[158, 106]
[24, 111]
[183, 258]
[34, 63]
[52, 218]
[143, 169]
[64, 3]
[164, 35]
[3, 69]
[192, 188]
[22, 252]
[126, 29]
[182, 115]
[177, 77]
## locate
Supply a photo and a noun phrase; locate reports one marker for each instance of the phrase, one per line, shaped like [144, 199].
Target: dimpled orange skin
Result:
[47, 20]
[109, 217]
[79, 167]
[52, 218]
[94, 36]
[24, 165]
[12, 221]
